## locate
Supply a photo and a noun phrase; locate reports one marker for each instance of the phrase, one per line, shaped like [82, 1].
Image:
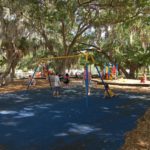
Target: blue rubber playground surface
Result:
[35, 120]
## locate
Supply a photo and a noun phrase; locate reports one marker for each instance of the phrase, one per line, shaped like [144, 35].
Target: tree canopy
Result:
[116, 30]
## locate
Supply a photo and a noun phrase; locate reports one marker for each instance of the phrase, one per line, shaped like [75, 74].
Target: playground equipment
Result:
[87, 57]
[45, 71]
[110, 71]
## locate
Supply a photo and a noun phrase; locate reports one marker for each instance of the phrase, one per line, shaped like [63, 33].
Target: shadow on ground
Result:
[34, 120]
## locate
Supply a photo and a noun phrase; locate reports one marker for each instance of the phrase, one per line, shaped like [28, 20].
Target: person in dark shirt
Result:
[66, 80]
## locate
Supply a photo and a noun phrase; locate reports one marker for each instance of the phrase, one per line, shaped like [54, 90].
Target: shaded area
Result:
[34, 120]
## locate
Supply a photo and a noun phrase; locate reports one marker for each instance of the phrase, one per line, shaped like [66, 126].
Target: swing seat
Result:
[111, 93]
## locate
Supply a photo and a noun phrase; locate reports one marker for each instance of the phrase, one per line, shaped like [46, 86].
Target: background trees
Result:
[121, 33]
[117, 30]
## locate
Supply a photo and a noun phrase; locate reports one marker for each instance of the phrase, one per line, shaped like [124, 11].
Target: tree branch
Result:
[64, 36]
[79, 32]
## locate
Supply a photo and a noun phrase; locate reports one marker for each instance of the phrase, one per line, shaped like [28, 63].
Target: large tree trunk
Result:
[133, 68]
[137, 71]
[124, 71]
[132, 73]
[48, 43]
[65, 64]
[12, 74]
[11, 65]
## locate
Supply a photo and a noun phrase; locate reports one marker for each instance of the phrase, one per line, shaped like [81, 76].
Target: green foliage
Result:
[58, 27]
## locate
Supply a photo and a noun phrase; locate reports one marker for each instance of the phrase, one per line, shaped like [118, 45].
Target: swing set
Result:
[87, 56]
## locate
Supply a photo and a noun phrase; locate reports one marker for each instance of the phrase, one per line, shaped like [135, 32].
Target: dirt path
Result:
[19, 85]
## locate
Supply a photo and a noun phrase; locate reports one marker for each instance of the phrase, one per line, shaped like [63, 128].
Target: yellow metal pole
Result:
[93, 60]
[86, 57]
[62, 57]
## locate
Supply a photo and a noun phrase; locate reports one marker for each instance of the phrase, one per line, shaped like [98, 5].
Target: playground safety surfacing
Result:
[35, 120]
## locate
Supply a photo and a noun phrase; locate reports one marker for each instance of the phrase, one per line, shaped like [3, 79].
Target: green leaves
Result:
[118, 29]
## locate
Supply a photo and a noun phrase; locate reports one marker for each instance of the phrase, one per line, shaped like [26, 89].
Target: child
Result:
[144, 78]
[66, 79]
[108, 91]
[56, 85]
[31, 81]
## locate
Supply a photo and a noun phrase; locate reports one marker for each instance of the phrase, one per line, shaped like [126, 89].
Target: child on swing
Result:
[66, 80]
[31, 81]
[108, 92]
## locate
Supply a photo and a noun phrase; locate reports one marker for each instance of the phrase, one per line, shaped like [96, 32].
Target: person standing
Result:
[144, 78]
[57, 85]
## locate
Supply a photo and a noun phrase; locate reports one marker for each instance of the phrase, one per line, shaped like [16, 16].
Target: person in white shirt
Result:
[57, 84]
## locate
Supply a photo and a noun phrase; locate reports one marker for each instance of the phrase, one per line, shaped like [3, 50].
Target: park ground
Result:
[137, 139]
[126, 85]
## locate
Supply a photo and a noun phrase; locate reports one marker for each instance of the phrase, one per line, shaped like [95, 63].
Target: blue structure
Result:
[102, 80]
[87, 83]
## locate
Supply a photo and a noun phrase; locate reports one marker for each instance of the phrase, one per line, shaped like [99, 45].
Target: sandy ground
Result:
[128, 85]
[20, 84]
